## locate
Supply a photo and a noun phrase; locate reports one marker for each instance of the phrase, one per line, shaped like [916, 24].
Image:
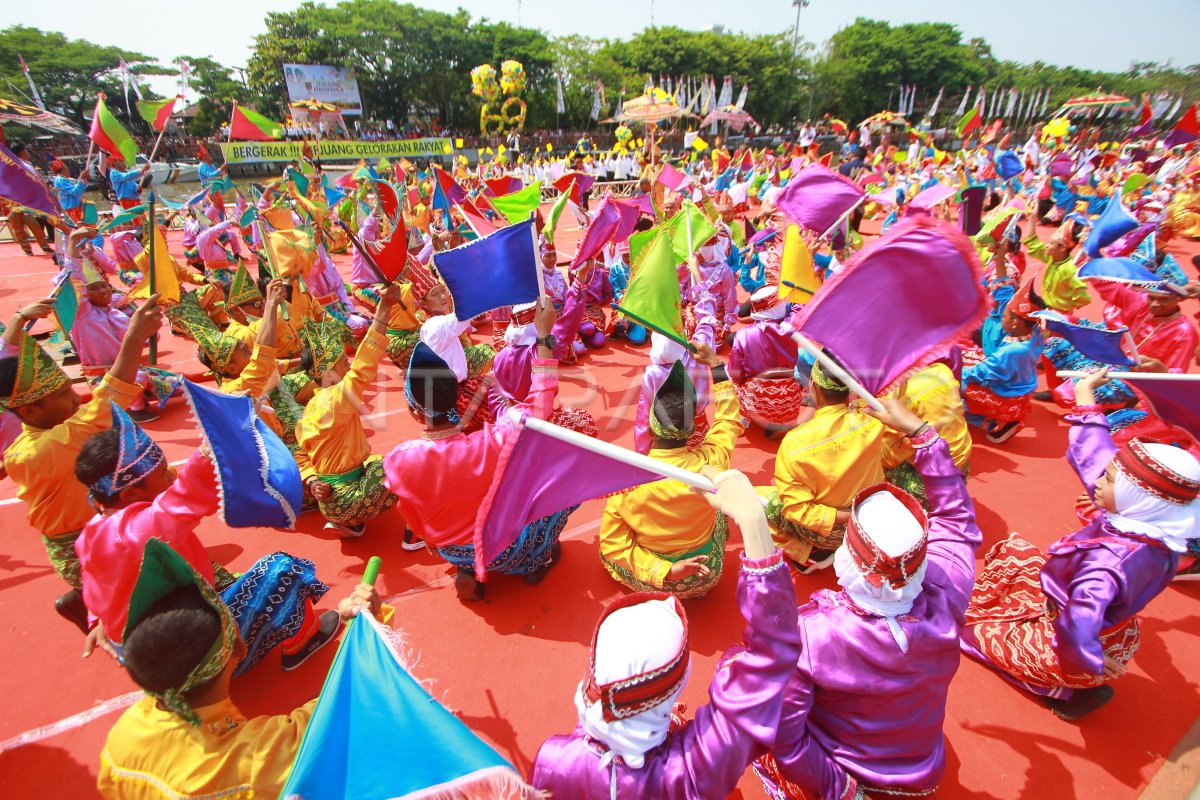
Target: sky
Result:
[1095, 34]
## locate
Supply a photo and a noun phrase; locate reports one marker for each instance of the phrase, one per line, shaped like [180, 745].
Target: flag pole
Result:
[836, 370]
[693, 267]
[266, 245]
[151, 268]
[1158, 376]
[842, 218]
[372, 571]
[157, 141]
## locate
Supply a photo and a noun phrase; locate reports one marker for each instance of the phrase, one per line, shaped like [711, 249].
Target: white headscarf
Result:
[775, 313]
[631, 641]
[1146, 515]
[895, 531]
[664, 351]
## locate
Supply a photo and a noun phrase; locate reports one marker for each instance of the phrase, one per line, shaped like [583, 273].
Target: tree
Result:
[218, 88]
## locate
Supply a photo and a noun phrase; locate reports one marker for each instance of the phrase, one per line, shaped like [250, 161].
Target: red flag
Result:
[1147, 113]
[582, 183]
[826, 160]
[476, 219]
[723, 162]
[991, 131]
[388, 201]
[1185, 131]
[505, 185]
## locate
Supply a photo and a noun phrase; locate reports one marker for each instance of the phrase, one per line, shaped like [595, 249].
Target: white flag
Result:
[912, 98]
[726, 93]
[560, 107]
[741, 101]
[981, 100]
[962, 104]
[937, 101]
[1012, 103]
[1175, 108]
[596, 100]
[1045, 104]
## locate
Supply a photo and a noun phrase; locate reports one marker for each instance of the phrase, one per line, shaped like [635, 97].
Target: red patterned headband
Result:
[875, 564]
[637, 693]
[523, 316]
[764, 303]
[1152, 476]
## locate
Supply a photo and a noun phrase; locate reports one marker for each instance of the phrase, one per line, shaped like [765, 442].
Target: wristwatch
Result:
[549, 340]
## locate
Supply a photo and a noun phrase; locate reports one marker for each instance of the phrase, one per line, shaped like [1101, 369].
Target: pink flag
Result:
[538, 475]
[599, 231]
[1175, 401]
[643, 203]
[476, 219]
[916, 292]
[672, 178]
[818, 198]
[933, 195]
[630, 212]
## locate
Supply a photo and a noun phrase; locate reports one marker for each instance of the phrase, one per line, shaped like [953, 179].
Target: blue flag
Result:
[333, 196]
[376, 734]
[500, 269]
[1093, 340]
[1111, 225]
[1008, 165]
[1120, 270]
[259, 480]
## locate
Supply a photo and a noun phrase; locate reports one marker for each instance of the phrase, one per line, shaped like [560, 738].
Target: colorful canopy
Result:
[653, 106]
[34, 117]
[736, 117]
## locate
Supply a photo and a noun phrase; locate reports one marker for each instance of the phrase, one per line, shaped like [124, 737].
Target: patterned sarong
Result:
[693, 586]
[400, 346]
[1062, 355]
[187, 312]
[283, 402]
[780, 788]
[576, 419]
[159, 384]
[905, 476]
[529, 553]
[192, 256]
[61, 550]
[989, 405]
[358, 495]
[794, 540]
[1013, 628]
[366, 296]
[270, 603]
[771, 402]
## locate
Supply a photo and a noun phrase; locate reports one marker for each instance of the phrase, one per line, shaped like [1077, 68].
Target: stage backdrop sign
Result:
[333, 150]
[334, 85]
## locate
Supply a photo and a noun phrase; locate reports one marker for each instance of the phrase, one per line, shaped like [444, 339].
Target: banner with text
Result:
[333, 150]
[334, 85]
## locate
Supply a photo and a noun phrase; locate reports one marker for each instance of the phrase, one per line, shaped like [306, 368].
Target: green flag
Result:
[556, 212]
[517, 206]
[65, 305]
[653, 294]
[969, 122]
[298, 179]
[677, 226]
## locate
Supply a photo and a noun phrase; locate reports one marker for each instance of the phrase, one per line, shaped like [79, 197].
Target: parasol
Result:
[1094, 102]
[839, 126]
[651, 107]
[884, 118]
[34, 117]
[736, 117]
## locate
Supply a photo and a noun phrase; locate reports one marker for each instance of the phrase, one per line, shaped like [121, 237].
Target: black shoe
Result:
[327, 629]
[411, 542]
[71, 608]
[143, 415]
[540, 573]
[1043, 397]
[1081, 702]
[468, 587]
[1003, 433]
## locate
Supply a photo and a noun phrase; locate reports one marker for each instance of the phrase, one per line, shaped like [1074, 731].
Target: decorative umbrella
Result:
[651, 107]
[1094, 102]
[884, 118]
[839, 126]
[736, 117]
[34, 117]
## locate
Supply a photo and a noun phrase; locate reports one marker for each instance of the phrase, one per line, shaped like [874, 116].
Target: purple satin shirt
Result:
[707, 757]
[856, 704]
[758, 348]
[1098, 584]
[512, 369]
[656, 374]
[360, 273]
[719, 281]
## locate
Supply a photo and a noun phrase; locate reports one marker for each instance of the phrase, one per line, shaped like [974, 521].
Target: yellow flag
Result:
[458, 143]
[940, 156]
[500, 150]
[900, 156]
[447, 149]
[549, 147]
[797, 279]
[166, 283]
[699, 145]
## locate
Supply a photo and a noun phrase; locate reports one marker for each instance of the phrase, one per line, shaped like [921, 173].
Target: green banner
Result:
[333, 150]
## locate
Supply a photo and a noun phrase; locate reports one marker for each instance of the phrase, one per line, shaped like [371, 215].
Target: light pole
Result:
[800, 6]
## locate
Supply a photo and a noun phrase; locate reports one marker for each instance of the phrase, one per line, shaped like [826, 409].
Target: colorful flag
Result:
[1185, 131]
[166, 283]
[250, 125]
[797, 277]
[476, 220]
[156, 112]
[556, 212]
[968, 122]
[1091, 339]
[257, 476]
[672, 178]
[1120, 270]
[65, 306]
[20, 185]
[652, 297]
[505, 184]
[518, 205]
[354, 747]
[1175, 401]
[888, 285]
[576, 183]
[676, 229]
[541, 475]
[1113, 223]
[818, 198]
[110, 135]
[500, 269]
[600, 230]
[33, 90]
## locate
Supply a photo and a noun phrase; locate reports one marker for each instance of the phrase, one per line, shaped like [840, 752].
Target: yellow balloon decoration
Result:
[487, 85]
[511, 119]
[483, 83]
[512, 77]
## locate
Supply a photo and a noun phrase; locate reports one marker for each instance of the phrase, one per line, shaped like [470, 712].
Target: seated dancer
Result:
[554, 287]
[512, 371]
[327, 288]
[186, 737]
[41, 460]
[218, 261]
[593, 331]
[664, 352]
[140, 497]
[126, 246]
[821, 465]
[81, 252]
[244, 305]
[1061, 288]
[191, 229]
[864, 709]
[1064, 624]
[445, 335]
[616, 259]
[1000, 378]
[625, 744]
[932, 393]
[342, 474]
[761, 364]
[97, 335]
[1165, 339]
[442, 478]
[364, 283]
[404, 324]
[660, 536]
[718, 280]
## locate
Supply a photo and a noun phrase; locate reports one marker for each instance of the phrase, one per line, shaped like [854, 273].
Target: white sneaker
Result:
[346, 531]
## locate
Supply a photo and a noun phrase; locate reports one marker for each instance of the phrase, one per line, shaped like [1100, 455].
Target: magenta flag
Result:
[538, 475]
[1175, 401]
[630, 213]
[817, 198]
[933, 195]
[600, 229]
[899, 303]
[672, 178]
[643, 203]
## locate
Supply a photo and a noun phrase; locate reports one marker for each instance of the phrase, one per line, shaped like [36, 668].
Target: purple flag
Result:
[19, 184]
[915, 292]
[935, 194]
[630, 212]
[1130, 242]
[538, 475]
[1175, 401]
[1094, 341]
[817, 198]
[600, 229]
[643, 203]
[1120, 270]
[500, 269]
[1062, 166]
[970, 216]
[1111, 225]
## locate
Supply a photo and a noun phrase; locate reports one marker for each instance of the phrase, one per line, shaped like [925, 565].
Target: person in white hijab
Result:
[624, 745]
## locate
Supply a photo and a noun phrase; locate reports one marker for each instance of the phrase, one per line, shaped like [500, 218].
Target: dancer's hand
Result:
[1085, 388]
[1112, 668]
[363, 596]
[320, 489]
[687, 568]
[896, 416]
[146, 321]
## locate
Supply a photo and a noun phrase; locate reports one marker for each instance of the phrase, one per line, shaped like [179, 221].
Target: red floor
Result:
[509, 666]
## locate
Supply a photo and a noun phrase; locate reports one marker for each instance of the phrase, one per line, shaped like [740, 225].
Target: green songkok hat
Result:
[663, 423]
[242, 289]
[38, 375]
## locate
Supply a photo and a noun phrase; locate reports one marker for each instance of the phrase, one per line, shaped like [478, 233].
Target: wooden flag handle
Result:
[835, 369]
